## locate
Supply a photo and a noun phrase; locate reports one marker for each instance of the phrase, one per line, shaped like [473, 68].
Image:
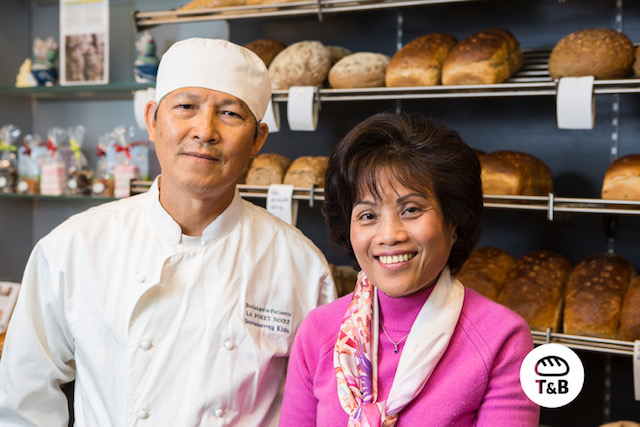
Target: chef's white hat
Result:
[218, 65]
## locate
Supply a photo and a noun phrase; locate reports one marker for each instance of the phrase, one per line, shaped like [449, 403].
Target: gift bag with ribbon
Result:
[8, 158]
[32, 152]
[53, 175]
[79, 174]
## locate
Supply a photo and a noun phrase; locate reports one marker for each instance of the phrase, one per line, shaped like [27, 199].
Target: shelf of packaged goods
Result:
[598, 345]
[275, 9]
[111, 90]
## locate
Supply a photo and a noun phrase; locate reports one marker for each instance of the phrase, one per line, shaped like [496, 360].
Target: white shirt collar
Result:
[166, 226]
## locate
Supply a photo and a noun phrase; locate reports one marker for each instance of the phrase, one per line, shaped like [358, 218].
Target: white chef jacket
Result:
[156, 332]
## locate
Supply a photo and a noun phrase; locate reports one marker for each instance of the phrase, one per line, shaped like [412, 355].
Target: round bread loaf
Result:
[419, 62]
[636, 63]
[267, 169]
[306, 171]
[361, 69]
[600, 52]
[304, 63]
[266, 49]
[622, 179]
[336, 53]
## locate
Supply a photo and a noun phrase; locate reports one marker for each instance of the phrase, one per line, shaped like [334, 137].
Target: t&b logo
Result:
[552, 375]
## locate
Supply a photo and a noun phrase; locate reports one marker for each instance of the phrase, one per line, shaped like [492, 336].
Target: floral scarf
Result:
[355, 356]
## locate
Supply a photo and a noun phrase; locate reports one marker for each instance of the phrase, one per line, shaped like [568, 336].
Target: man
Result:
[176, 307]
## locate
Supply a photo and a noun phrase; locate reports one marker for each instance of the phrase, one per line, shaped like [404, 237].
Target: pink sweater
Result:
[477, 381]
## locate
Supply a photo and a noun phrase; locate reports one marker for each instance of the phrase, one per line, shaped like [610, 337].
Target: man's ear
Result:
[261, 138]
[150, 119]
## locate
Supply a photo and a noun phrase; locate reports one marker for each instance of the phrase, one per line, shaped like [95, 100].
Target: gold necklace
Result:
[395, 344]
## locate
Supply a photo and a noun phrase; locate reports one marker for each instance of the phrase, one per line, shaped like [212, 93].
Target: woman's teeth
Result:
[393, 259]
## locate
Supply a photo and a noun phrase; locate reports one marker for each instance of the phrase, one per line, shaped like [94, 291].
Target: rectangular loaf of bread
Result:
[535, 286]
[485, 271]
[595, 292]
[486, 57]
[507, 172]
[622, 179]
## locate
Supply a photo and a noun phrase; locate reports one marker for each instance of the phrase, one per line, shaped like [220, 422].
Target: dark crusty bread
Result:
[306, 171]
[600, 52]
[360, 69]
[266, 49]
[486, 270]
[486, 57]
[344, 278]
[534, 288]
[595, 292]
[419, 62]
[630, 317]
[512, 173]
[622, 179]
[267, 169]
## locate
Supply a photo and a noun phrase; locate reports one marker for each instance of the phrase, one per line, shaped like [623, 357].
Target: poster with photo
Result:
[8, 296]
[84, 42]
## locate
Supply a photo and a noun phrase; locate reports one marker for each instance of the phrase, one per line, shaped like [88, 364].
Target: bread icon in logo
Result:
[552, 366]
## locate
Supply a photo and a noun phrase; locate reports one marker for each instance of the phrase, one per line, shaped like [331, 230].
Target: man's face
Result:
[203, 139]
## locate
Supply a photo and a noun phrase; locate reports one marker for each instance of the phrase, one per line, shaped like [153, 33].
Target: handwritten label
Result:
[281, 204]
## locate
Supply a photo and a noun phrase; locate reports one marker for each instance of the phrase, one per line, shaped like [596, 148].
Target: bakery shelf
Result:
[549, 204]
[48, 197]
[299, 8]
[111, 90]
[598, 345]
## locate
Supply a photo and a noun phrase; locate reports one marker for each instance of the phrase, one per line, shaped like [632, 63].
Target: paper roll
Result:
[302, 110]
[575, 104]
[272, 117]
[140, 99]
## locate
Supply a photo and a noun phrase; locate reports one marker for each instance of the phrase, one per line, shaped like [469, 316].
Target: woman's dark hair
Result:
[421, 155]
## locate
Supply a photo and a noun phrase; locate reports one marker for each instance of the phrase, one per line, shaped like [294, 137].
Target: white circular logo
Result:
[552, 375]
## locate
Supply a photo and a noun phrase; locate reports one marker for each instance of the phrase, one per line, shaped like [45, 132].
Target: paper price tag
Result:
[575, 104]
[636, 369]
[281, 204]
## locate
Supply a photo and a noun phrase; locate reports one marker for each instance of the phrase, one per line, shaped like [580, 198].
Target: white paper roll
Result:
[302, 110]
[575, 104]
[140, 99]
[272, 117]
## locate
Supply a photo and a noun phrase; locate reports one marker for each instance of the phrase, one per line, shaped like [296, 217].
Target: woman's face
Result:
[401, 239]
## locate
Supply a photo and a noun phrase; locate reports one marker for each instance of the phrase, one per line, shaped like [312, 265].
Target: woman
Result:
[411, 345]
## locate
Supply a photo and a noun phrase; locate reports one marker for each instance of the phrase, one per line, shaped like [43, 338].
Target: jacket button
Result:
[219, 413]
[229, 345]
[143, 414]
[140, 277]
[145, 345]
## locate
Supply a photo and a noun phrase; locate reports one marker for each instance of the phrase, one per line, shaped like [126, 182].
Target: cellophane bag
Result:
[53, 178]
[9, 134]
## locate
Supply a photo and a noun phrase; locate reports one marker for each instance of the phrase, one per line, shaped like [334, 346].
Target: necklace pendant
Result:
[395, 350]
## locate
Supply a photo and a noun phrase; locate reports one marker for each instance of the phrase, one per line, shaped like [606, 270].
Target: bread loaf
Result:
[515, 173]
[344, 278]
[630, 316]
[594, 296]
[266, 49]
[600, 52]
[336, 53]
[534, 288]
[486, 270]
[360, 69]
[305, 63]
[622, 179]
[307, 171]
[419, 62]
[208, 4]
[636, 62]
[267, 169]
[486, 57]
